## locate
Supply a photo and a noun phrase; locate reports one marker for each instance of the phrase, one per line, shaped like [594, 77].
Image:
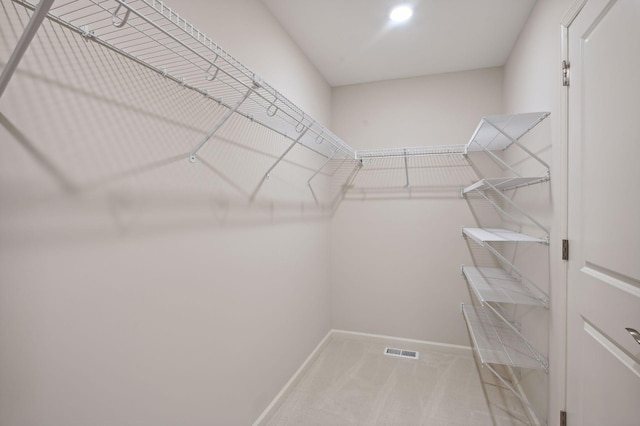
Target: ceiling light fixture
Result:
[401, 14]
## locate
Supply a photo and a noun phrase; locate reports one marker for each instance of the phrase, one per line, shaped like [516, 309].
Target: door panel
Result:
[610, 61]
[622, 373]
[603, 360]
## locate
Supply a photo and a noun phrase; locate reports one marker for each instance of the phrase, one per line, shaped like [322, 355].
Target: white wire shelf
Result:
[487, 235]
[411, 151]
[496, 342]
[504, 184]
[157, 37]
[498, 132]
[496, 285]
[154, 35]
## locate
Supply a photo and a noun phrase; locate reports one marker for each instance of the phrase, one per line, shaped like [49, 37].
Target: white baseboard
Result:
[273, 407]
[427, 345]
[284, 392]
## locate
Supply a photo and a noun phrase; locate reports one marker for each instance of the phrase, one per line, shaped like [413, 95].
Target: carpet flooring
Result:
[352, 382]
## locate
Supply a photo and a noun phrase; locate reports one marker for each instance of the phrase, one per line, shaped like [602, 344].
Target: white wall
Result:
[532, 83]
[396, 254]
[249, 32]
[135, 287]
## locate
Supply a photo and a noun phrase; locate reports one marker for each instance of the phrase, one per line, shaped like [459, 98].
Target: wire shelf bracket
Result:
[227, 115]
[267, 175]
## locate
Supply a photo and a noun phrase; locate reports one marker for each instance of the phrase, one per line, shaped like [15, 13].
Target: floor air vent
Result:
[401, 353]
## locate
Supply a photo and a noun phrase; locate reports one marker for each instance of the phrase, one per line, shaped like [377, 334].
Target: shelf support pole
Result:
[23, 43]
[227, 115]
[284, 154]
[406, 169]
[515, 141]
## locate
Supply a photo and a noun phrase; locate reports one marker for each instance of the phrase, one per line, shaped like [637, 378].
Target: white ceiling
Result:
[352, 41]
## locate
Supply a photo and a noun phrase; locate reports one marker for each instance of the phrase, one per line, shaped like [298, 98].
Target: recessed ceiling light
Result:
[401, 14]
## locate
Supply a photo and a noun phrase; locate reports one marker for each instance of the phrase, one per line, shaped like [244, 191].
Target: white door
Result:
[603, 359]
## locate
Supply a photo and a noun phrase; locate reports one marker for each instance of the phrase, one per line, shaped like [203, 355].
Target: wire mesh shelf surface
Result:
[156, 36]
[496, 285]
[411, 151]
[496, 342]
[483, 235]
[497, 132]
[504, 184]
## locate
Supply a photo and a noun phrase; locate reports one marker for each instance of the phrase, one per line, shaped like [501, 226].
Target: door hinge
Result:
[565, 73]
[565, 249]
[563, 418]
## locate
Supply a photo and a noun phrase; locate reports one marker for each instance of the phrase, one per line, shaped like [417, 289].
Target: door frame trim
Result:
[562, 220]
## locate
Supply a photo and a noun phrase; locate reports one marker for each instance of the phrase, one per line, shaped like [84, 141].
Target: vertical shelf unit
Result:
[497, 339]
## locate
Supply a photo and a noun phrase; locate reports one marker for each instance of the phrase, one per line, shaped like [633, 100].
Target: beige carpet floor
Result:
[352, 382]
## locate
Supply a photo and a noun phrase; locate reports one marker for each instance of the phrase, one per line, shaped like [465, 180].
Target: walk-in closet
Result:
[319, 212]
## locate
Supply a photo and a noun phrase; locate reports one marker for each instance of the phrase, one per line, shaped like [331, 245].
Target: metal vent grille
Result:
[404, 353]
